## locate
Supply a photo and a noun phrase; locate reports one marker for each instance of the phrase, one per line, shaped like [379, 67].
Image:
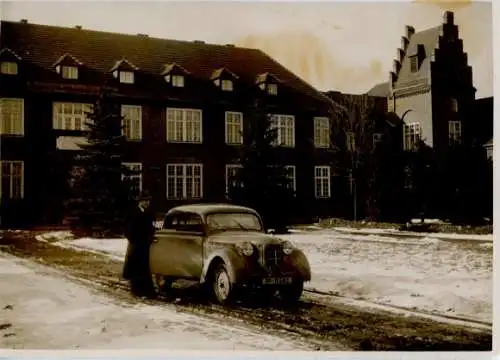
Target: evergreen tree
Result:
[99, 197]
[262, 182]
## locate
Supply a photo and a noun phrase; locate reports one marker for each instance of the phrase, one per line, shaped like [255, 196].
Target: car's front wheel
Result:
[290, 294]
[221, 285]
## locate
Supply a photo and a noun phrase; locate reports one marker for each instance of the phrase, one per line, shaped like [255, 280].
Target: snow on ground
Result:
[425, 273]
[41, 309]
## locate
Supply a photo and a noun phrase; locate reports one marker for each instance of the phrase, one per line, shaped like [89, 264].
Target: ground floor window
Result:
[232, 177]
[184, 181]
[12, 175]
[133, 177]
[322, 182]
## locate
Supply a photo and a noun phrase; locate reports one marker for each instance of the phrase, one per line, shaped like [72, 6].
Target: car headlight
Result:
[246, 248]
[288, 247]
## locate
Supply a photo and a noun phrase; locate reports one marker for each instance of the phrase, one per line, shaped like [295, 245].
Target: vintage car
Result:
[225, 248]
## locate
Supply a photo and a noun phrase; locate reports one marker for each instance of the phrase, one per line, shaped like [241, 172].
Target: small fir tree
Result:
[99, 196]
[263, 182]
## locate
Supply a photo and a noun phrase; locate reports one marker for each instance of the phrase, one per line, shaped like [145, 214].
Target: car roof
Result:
[203, 209]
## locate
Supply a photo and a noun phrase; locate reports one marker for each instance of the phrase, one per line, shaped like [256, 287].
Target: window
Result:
[184, 181]
[290, 173]
[285, 125]
[322, 132]
[454, 132]
[234, 128]
[8, 68]
[414, 64]
[126, 77]
[227, 85]
[70, 116]
[132, 121]
[272, 89]
[70, 72]
[184, 125]
[11, 116]
[454, 105]
[232, 174]
[134, 178]
[408, 184]
[350, 141]
[377, 137]
[177, 81]
[184, 222]
[412, 134]
[322, 181]
[12, 175]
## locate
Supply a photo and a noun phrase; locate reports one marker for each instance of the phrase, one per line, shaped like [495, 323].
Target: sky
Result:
[333, 45]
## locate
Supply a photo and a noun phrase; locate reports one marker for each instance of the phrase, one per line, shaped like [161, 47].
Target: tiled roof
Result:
[43, 45]
[379, 90]
[429, 38]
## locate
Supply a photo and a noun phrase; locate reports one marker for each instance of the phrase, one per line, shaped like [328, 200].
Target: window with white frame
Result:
[12, 177]
[322, 181]
[272, 89]
[234, 128]
[134, 177]
[126, 77]
[177, 81]
[132, 121]
[350, 141]
[226, 85]
[321, 132]
[70, 116]
[8, 68]
[290, 174]
[70, 72]
[232, 176]
[285, 125]
[454, 132]
[184, 181]
[11, 116]
[412, 134]
[184, 125]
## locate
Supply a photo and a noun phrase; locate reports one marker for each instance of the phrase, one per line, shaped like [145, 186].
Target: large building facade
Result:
[184, 107]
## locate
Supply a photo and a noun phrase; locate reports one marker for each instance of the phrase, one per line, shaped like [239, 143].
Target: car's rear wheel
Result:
[222, 288]
[162, 284]
[290, 294]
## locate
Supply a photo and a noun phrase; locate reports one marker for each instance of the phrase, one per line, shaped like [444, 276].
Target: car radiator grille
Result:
[272, 255]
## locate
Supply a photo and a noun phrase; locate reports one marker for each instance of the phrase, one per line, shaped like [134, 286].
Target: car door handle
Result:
[155, 240]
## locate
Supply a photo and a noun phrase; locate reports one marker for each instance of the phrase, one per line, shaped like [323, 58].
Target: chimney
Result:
[448, 17]
[404, 42]
[401, 55]
[24, 21]
[396, 66]
[410, 30]
[78, 27]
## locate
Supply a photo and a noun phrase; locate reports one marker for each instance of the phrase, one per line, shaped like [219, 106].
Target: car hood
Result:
[237, 237]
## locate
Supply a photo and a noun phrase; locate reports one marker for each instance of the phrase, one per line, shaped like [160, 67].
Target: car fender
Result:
[234, 261]
[301, 263]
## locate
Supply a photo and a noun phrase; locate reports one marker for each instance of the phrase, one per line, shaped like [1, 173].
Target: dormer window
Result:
[124, 71]
[8, 68]
[67, 66]
[224, 79]
[272, 89]
[69, 72]
[175, 75]
[226, 85]
[126, 77]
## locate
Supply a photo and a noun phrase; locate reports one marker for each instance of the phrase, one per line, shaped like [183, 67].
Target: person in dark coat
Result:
[139, 231]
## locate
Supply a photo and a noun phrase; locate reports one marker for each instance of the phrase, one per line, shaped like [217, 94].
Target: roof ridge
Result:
[104, 32]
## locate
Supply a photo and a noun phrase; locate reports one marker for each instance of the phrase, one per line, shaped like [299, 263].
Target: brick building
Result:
[184, 105]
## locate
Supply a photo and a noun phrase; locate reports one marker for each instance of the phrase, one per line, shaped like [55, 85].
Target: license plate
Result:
[277, 281]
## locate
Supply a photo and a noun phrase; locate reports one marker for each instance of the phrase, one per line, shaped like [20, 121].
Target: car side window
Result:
[171, 222]
[192, 222]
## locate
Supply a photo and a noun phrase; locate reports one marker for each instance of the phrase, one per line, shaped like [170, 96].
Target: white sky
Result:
[344, 46]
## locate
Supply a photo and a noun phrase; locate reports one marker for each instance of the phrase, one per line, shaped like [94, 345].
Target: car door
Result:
[177, 249]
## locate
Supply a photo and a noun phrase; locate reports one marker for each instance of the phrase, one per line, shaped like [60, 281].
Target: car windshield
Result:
[233, 221]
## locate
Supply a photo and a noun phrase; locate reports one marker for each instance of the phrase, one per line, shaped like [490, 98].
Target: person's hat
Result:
[144, 196]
